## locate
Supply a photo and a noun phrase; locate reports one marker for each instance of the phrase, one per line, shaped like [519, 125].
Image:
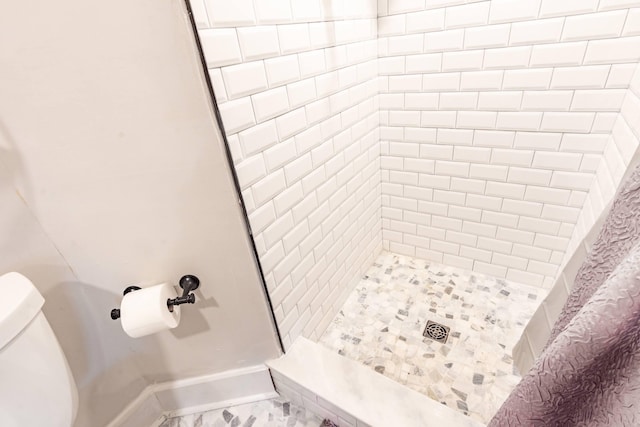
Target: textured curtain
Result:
[589, 372]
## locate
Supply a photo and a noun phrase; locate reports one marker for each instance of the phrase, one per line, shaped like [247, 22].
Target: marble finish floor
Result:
[382, 322]
[277, 412]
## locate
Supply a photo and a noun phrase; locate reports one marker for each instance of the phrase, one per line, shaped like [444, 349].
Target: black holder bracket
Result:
[188, 283]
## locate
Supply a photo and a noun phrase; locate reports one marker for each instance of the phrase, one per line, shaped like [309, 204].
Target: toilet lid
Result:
[21, 303]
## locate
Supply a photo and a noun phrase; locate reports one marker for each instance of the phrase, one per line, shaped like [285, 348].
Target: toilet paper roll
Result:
[144, 312]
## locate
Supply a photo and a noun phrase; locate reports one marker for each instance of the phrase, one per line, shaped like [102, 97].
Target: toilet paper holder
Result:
[188, 283]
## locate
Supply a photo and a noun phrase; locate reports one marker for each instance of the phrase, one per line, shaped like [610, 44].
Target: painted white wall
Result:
[296, 84]
[112, 172]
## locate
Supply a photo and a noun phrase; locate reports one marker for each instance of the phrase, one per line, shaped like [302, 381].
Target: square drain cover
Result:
[436, 331]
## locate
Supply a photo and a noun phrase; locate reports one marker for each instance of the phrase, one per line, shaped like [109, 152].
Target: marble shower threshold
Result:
[382, 322]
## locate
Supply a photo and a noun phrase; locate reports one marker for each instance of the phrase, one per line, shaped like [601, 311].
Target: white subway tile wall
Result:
[518, 104]
[296, 84]
[484, 134]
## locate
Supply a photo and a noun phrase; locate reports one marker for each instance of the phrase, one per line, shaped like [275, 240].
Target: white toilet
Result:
[37, 388]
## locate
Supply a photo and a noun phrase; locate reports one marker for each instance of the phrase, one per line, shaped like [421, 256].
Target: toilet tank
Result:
[36, 386]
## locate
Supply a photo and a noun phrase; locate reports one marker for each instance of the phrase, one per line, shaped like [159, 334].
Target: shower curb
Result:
[350, 394]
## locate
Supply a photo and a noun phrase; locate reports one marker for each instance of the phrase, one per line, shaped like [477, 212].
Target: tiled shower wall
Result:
[494, 118]
[619, 151]
[620, 158]
[296, 85]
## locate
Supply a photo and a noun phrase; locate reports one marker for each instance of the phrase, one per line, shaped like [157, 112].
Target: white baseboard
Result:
[198, 394]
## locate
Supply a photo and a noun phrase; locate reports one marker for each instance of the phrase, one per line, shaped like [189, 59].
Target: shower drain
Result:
[436, 331]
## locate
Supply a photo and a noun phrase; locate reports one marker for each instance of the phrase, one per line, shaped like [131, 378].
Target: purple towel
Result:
[589, 372]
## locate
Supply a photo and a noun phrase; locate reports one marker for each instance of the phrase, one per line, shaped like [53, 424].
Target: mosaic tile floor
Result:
[277, 412]
[382, 322]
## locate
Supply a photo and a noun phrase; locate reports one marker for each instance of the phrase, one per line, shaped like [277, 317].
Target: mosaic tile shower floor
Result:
[277, 412]
[382, 321]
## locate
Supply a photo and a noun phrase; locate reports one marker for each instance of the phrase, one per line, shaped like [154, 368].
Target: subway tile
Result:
[550, 100]
[632, 23]
[273, 11]
[294, 37]
[490, 138]
[538, 140]
[585, 77]
[625, 49]
[258, 42]
[322, 34]
[572, 180]
[244, 79]
[258, 138]
[425, 21]
[444, 41]
[220, 47]
[311, 63]
[425, 63]
[438, 119]
[583, 143]
[529, 176]
[567, 7]
[516, 236]
[304, 10]
[406, 83]
[505, 190]
[481, 80]
[488, 172]
[558, 54]
[280, 154]
[456, 137]
[519, 120]
[462, 61]
[617, 4]
[301, 93]
[291, 123]
[225, 14]
[511, 157]
[468, 15]
[281, 70]
[594, 26]
[391, 25]
[250, 170]
[567, 122]
[536, 32]
[522, 207]
[458, 101]
[405, 45]
[421, 101]
[527, 79]
[557, 161]
[237, 115]
[547, 195]
[620, 75]
[507, 57]
[513, 10]
[486, 36]
[403, 6]
[270, 103]
[440, 82]
[598, 100]
[268, 187]
[392, 65]
[539, 225]
[218, 85]
[476, 119]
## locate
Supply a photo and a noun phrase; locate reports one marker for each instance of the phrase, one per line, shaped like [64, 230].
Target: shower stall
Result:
[420, 176]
